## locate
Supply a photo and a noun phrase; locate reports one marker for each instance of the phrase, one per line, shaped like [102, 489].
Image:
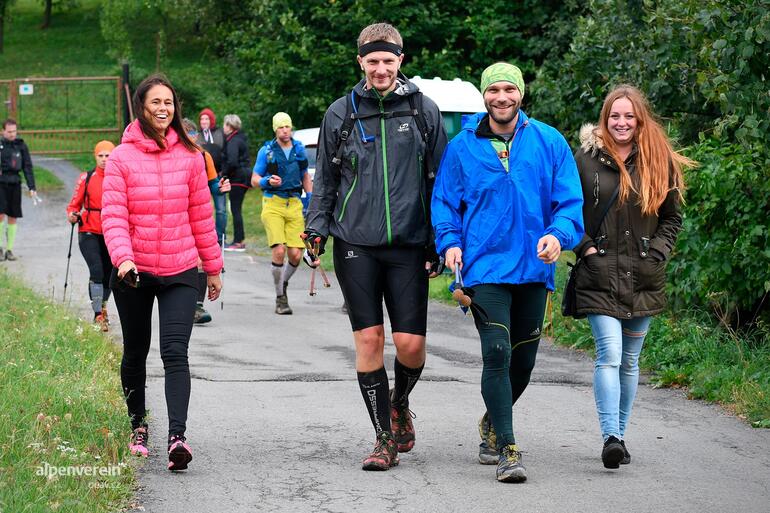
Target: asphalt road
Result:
[277, 423]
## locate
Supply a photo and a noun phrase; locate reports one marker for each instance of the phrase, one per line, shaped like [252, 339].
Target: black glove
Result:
[436, 261]
[310, 237]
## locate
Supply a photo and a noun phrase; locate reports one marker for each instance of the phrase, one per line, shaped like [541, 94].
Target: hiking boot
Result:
[179, 453]
[235, 246]
[488, 454]
[403, 429]
[509, 467]
[201, 315]
[626, 455]
[612, 453]
[104, 313]
[385, 454]
[137, 445]
[10, 256]
[282, 306]
[101, 321]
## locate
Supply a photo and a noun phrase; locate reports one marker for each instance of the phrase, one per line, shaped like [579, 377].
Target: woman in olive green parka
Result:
[620, 282]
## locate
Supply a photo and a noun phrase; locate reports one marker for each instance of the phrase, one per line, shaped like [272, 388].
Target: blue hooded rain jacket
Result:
[496, 216]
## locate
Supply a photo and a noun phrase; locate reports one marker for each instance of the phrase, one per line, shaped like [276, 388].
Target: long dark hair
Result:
[176, 121]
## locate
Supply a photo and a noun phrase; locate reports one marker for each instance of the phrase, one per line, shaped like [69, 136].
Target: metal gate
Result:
[64, 115]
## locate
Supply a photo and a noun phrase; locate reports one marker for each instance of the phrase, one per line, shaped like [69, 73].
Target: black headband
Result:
[380, 46]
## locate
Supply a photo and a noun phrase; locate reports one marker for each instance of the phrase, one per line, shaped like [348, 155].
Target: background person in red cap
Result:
[212, 139]
[85, 209]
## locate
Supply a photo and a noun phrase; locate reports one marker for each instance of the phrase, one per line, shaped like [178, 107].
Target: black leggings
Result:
[510, 335]
[237, 195]
[97, 259]
[176, 306]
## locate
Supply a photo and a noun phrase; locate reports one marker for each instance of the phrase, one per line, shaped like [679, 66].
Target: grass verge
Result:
[689, 349]
[60, 410]
[46, 181]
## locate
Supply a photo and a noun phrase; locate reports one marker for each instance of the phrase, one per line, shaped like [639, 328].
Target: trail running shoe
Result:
[201, 315]
[626, 455]
[282, 306]
[403, 429]
[509, 467]
[179, 453]
[138, 443]
[10, 256]
[488, 454]
[385, 454]
[101, 321]
[612, 453]
[235, 246]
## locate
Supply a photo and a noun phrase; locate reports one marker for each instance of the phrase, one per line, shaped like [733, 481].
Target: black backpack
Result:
[351, 116]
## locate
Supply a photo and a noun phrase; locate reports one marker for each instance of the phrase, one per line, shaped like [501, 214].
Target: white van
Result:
[453, 97]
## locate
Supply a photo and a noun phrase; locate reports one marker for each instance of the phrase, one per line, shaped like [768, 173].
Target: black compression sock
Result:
[405, 380]
[374, 389]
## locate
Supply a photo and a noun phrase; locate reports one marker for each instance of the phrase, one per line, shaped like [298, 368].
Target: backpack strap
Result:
[85, 193]
[345, 130]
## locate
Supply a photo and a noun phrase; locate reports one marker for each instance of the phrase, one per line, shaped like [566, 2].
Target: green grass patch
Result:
[60, 406]
[688, 349]
[46, 181]
[438, 288]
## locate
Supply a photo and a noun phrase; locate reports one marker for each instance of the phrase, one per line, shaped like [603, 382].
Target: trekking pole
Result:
[325, 278]
[459, 294]
[222, 274]
[69, 257]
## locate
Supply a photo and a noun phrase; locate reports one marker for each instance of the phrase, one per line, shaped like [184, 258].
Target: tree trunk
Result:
[2, 23]
[47, 14]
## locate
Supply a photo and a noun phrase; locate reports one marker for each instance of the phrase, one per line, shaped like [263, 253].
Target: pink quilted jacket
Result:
[156, 206]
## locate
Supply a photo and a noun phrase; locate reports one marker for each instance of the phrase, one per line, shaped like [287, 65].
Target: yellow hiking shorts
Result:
[283, 221]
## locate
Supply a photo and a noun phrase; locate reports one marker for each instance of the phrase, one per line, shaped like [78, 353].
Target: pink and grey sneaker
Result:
[179, 453]
[138, 443]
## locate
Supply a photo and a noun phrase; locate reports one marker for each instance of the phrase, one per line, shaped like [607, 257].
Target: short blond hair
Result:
[380, 32]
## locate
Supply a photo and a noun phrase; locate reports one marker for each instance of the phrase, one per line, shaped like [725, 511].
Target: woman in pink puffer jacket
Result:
[157, 220]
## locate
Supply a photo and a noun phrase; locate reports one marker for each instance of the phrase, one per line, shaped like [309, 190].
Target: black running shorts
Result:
[368, 274]
[10, 199]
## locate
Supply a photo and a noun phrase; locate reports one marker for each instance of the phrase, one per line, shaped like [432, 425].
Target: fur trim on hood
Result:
[590, 140]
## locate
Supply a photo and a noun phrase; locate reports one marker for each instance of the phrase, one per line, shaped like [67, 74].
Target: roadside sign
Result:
[26, 89]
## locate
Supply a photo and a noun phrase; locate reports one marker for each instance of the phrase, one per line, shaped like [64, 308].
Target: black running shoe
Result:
[385, 454]
[612, 453]
[626, 455]
[509, 466]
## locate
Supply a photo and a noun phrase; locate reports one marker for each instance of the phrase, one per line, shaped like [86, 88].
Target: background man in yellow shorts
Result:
[281, 173]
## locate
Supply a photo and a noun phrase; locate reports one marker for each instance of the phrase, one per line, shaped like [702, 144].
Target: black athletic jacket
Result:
[14, 157]
[380, 195]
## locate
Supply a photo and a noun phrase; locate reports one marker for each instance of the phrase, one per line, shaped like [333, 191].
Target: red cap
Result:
[210, 114]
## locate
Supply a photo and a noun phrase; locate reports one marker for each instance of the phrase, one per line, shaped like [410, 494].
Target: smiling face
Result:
[205, 122]
[159, 107]
[621, 123]
[381, 69]
[502, 100]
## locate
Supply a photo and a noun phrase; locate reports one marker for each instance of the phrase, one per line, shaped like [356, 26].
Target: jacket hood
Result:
[590, 140]
[403, 87]
[212, 117]
[133, 135]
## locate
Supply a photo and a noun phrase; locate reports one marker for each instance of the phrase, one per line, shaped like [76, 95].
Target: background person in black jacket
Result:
[14, 158]
[235, 167]
[620, 283]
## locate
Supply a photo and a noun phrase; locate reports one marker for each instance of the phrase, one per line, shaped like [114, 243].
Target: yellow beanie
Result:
[281, 119]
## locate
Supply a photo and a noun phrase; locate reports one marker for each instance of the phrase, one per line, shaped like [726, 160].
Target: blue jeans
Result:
[616, 371]
[220, 214]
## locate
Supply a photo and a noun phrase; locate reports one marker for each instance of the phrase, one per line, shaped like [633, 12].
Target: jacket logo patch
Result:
[535, 332]
[404, 127]
[350, 255]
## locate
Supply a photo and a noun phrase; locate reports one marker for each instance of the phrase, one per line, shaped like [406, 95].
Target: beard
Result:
[506, 118]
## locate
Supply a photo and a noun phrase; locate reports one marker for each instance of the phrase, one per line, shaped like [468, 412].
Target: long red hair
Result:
[658, 165]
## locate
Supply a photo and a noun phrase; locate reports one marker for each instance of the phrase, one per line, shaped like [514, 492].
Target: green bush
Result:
[723, 258]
